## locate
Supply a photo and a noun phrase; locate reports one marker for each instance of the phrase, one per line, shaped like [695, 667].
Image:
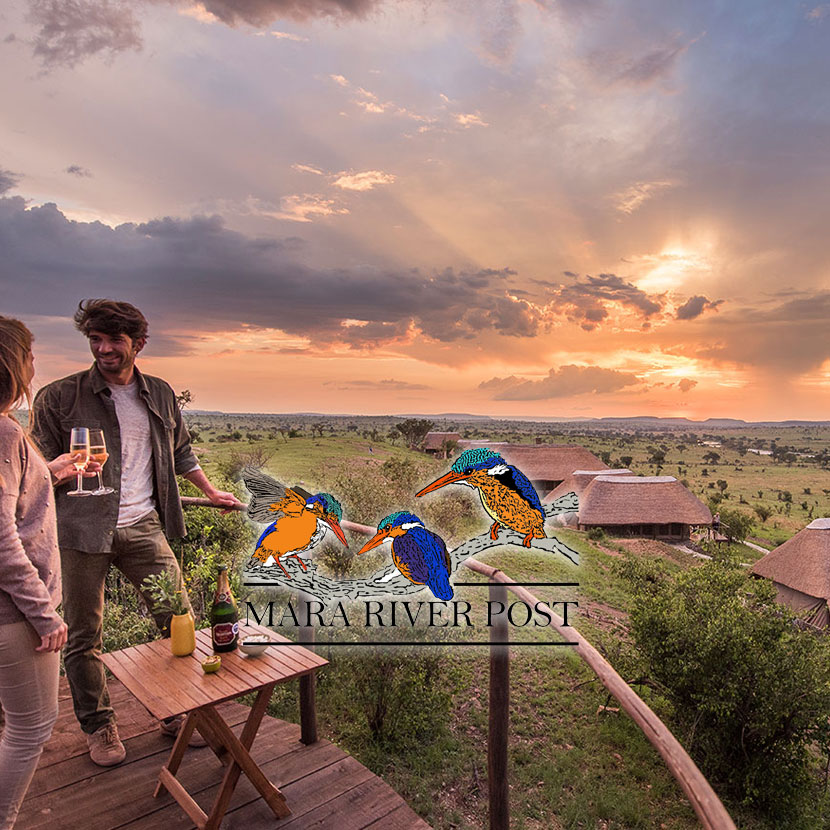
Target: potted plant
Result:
[169, 596]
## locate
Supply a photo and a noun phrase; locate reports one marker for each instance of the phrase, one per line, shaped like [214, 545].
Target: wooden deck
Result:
[325, 787]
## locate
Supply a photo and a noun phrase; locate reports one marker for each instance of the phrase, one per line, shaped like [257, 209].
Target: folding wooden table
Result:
[169, 686]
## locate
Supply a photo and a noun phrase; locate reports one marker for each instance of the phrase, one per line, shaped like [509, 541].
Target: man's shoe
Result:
[105, 747]
[172, 726]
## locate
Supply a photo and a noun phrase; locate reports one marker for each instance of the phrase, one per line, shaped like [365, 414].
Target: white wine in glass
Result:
[98, 452]
[79, 444]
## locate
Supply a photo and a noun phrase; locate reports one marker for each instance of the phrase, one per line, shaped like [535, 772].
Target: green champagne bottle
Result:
[224, 617]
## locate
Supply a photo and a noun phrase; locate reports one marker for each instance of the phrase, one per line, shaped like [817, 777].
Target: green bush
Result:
[597, 534]
[336, 557]
[455, 515]
[404, 695]
[124, 627]
[750, 691]
[368, 491]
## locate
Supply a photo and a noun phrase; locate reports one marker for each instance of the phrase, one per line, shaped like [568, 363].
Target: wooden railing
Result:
[704, 800]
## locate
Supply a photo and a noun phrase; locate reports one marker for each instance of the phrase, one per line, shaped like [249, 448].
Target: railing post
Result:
[499, 713]
[308, 682]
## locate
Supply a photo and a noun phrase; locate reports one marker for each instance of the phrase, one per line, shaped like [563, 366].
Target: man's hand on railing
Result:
[221, 498]
[198, 501]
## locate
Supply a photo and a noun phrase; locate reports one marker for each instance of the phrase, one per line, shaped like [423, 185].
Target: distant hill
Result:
[645, 422]
[451, 416]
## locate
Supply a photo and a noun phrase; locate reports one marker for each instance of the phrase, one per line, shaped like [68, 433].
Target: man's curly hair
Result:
[110, 317]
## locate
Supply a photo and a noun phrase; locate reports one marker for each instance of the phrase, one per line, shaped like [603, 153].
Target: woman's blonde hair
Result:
[15, 347]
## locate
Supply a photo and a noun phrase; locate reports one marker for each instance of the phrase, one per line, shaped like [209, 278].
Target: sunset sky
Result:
[503, 207]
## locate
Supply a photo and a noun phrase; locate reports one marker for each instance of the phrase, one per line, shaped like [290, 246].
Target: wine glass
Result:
[98, 452]
[79, 445]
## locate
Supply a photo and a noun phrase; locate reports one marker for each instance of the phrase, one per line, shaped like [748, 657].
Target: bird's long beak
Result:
[378, 539]
[447, 478]
[335, 526]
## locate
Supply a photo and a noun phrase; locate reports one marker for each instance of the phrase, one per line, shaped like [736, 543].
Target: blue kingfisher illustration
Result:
[419, 554]
[505, 491]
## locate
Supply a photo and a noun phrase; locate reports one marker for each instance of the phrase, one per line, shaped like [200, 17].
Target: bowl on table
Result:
[254, 646]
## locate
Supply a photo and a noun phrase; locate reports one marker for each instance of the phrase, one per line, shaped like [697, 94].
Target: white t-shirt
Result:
[136, 494]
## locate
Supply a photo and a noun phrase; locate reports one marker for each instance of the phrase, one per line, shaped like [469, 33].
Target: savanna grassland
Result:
[779, 476]
[418, 717]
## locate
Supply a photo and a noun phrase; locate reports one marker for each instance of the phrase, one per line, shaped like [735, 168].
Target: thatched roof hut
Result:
[641, 506]
[578, 480]
[546, 465]
[800, 570]
[438, 443]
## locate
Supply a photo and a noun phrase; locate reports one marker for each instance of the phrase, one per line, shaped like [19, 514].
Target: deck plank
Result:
[403, 817]
[325, 787]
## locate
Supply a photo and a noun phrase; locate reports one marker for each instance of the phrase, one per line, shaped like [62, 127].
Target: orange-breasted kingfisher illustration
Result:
[300, 520]
[506, 493]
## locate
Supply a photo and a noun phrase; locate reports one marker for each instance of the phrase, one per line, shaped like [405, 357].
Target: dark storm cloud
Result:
[69, 31]
[263, 12]
[77, 170]
[584, 301]
[613, 288]
[695, 306]
[196, 275]
[560, 383]
[8, 180]
[596, 315]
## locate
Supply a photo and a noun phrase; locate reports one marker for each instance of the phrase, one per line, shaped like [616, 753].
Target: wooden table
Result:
[169, 686]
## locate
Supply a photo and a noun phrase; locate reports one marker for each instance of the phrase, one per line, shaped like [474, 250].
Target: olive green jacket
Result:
[84, 400]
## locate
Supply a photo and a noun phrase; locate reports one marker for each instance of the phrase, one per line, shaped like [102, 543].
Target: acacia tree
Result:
[414, 430]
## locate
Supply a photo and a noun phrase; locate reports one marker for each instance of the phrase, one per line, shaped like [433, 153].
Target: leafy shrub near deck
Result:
[405, 695]
[750, 692]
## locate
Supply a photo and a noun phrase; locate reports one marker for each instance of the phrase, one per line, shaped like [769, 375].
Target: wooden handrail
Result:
[702, 797]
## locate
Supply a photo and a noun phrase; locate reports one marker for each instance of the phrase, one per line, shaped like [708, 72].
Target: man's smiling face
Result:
[114, 353]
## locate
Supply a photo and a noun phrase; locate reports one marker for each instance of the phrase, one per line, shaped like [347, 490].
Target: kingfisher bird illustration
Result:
[419, 554]
[505, 491]
[300, 519]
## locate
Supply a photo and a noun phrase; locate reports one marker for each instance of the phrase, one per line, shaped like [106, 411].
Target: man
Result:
[148, 446]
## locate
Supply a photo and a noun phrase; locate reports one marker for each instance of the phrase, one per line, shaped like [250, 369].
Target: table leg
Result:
[179, 748]
[242, 761]
[167, 776]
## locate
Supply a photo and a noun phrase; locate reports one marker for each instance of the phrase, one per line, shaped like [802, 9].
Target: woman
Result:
[31, 632]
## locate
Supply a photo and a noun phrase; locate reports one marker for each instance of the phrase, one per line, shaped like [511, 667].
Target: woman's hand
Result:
[54, 640]
[62, 468]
